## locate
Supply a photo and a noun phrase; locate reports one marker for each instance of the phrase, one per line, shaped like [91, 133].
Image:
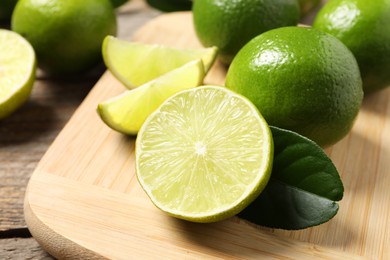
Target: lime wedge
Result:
[17, 71]
[127, 112]
[204, 154]
[135, 64]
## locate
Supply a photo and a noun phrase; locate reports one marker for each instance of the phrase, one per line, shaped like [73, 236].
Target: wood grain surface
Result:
[83, 198]
[26, 135]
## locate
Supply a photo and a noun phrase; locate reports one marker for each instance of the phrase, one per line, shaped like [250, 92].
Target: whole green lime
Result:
[66, 34]
[229, 25]
[365, 29]
[6, 8]
[300, 79]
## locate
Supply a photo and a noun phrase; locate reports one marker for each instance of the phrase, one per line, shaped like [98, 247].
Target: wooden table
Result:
[26, 135]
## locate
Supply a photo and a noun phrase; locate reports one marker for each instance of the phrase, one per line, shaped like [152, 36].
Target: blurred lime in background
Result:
[365, 29]
[229, 25]
[66, 34]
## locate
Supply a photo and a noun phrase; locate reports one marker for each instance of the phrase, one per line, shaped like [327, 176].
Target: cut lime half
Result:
[204, 154]
[127, 112]
[17, 71]
[135, 64]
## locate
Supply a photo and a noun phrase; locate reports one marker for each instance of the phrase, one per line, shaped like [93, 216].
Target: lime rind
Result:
[17, 71]
[127, 112]
[135, 64]
[204, 158]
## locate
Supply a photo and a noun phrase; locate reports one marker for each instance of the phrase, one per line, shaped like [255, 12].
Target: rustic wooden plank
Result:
[22, 248]
[25, 136]
[132, 16]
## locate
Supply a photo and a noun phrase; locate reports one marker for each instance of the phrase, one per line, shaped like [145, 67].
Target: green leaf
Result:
[171, 5]
[303, 188]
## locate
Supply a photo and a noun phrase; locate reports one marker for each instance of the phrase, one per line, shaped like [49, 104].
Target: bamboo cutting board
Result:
[83, 199]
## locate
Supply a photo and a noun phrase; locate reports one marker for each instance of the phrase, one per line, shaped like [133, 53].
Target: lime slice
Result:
[17, 71]
[204, 154]
[135, 64]
[127, 112]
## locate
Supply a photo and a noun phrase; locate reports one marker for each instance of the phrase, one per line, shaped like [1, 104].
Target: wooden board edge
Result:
[62, 247]
[52, 242]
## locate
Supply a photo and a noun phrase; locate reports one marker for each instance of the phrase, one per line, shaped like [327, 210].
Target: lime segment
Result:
[17, 71]
[127, 112]
[135, 64]
[204, 154]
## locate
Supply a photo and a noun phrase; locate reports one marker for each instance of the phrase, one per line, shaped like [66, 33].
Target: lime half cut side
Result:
[135, 64]
[17, 71]
[204, 154]
[127, 112]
